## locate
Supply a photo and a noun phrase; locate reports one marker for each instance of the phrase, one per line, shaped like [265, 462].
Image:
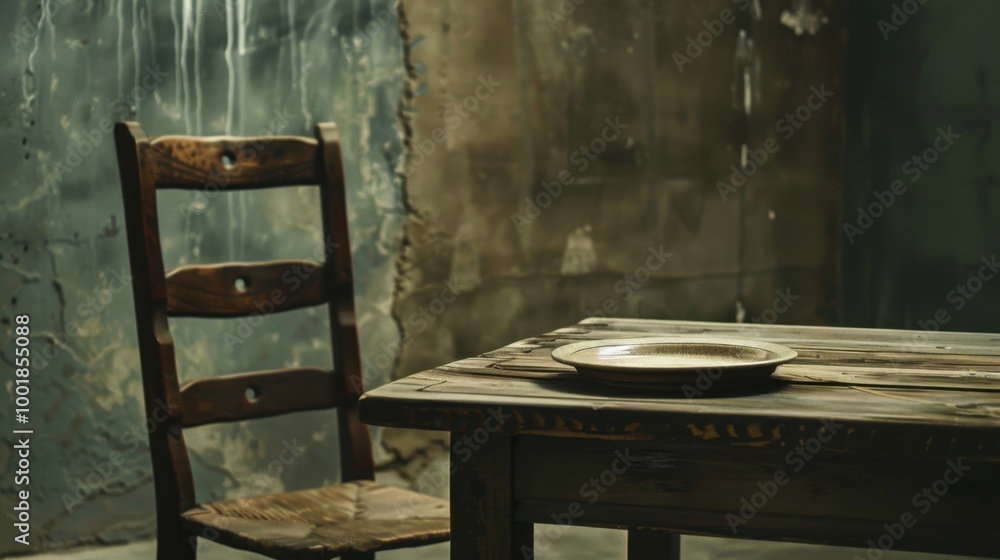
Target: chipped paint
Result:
[776, 433]
[579, 256]
[804, 17]
[706, 433]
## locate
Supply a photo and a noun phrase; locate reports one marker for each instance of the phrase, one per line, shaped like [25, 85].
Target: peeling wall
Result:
[184, 66]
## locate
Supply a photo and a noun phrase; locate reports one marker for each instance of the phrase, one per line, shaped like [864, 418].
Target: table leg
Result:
[482, 517]
[647, 544]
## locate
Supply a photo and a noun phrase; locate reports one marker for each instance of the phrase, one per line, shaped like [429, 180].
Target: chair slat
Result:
[241, 289]
[242, 396]
[229, 163]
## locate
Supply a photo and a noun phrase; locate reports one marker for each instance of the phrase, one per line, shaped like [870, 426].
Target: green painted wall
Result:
[183, 66]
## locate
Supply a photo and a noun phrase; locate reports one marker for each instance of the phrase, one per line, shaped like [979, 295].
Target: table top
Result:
[895, 391]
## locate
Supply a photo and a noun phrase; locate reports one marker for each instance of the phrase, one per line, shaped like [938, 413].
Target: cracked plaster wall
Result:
[219, 66]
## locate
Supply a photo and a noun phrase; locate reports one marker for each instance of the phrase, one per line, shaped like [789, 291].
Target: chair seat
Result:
[322, 523]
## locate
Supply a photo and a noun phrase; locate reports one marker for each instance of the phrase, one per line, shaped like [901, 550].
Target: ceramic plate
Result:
[673, 362]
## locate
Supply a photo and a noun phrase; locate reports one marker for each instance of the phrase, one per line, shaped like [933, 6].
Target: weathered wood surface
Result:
[322, 523]
[358, 463]
[230, 163]
[878, 416]
[244, 396]
[827, 495]
[483, 495]
[242, 289]
[900, 391]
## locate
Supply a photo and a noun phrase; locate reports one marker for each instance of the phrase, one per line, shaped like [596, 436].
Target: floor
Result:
[559, 543]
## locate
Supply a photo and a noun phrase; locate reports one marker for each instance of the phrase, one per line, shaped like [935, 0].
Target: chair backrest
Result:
[236, 290]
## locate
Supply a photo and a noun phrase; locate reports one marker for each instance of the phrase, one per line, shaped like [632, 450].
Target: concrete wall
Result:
[184, 66]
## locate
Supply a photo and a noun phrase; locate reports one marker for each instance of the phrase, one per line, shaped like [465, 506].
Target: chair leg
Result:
[177, 545]
[647, 544]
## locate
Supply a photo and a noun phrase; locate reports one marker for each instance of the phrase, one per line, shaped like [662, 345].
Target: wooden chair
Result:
[351, 520]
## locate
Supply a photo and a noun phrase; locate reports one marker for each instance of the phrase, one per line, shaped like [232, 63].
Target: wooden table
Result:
[871, 438]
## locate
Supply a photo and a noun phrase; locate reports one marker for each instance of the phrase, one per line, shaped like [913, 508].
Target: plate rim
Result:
[563, 354]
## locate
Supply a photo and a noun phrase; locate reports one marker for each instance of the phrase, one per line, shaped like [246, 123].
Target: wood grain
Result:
[482, 492]
[834, 497]
[172, 480]
[881, 382]
[356, 458]
[242, 289]
[223, 163]
[244, 396]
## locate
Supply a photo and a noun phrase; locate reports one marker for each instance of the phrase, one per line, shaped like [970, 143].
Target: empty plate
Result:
[701, 363]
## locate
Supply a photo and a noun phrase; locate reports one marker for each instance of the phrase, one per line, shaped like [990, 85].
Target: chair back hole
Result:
[228, 160]
[241, 284]
[252, 393]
